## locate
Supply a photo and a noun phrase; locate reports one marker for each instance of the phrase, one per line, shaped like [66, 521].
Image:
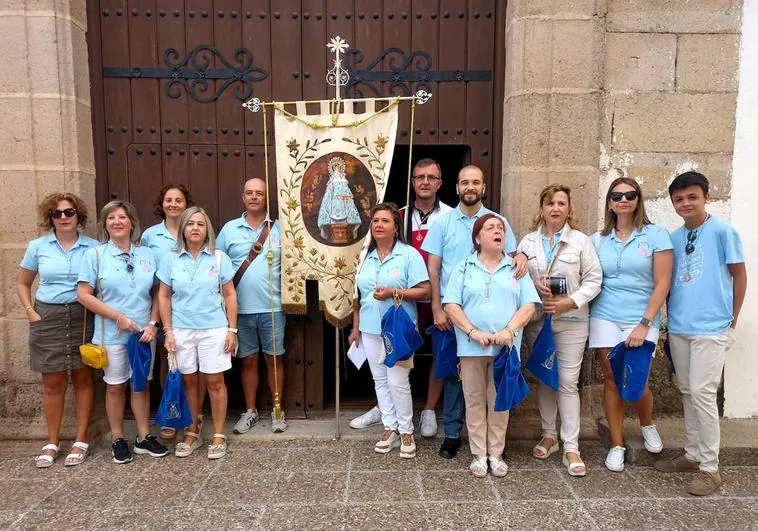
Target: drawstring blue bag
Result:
[631, 367]
[445, 353]
[400, 335]
[140, 360]
[542, 362]
[174, 411]
[511, 386]
[667, 351]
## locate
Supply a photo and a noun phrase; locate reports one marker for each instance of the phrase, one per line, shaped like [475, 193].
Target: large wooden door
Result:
[169, 76]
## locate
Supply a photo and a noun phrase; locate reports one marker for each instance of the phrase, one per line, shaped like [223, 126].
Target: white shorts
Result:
[118, 370]
[203, 349]
[608, 334]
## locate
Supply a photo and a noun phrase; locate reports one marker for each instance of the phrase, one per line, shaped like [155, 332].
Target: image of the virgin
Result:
[338, 217]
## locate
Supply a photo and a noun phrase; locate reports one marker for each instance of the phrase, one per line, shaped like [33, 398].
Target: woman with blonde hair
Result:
[566, 272]
[56, 319]
[637, 260]
[198, 308]
[117, 283]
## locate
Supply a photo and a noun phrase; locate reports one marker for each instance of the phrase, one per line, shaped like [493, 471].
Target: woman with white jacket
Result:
[562, 257]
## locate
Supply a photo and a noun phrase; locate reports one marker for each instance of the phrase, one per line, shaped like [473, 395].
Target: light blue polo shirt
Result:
[196, 299]
[159, 239]
[254, 291]
[402, 268]
[489, 300]
[548, 249]
[126, 292]
[57, 269]
[701, 298]
[627, 273]
[450, 239]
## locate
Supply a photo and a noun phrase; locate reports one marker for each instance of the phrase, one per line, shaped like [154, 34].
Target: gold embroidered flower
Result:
[299, 243]
[339, 262]
[314, 251]
[292, 204]
[292, 145]
[381, 142]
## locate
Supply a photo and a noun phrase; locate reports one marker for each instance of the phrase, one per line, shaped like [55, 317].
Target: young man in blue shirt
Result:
[707, 290]
[260, 316]
[448, 242]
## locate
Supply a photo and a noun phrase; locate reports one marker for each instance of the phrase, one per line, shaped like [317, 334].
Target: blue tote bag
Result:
[400, 335]
[542, 362]
[511, 386]
[174, 411]
[445, 353]
[140, 360]
[631, 367]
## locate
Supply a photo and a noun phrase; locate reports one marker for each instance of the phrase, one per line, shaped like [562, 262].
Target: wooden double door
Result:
[169, 76]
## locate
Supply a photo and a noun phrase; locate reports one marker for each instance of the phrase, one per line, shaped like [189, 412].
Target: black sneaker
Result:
[150, 446]
[120, 452]
[449, 448]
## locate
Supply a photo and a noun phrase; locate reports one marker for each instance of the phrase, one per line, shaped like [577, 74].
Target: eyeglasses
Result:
[66, 212]
[691, 239]
[426, 177]
[631, 195]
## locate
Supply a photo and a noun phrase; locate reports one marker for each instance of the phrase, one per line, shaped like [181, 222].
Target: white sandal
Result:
[77, 458]
[217, 451]
[544, 451]
[478, 466]
[498, 467]
[182, 449]
[45, 460]
[572, 467]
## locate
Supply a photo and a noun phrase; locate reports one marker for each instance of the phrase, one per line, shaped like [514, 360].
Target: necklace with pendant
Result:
[692, 237]
[193, 273]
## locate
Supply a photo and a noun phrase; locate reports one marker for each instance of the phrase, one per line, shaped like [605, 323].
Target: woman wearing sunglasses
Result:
[56, 319]
[636, 258]
[117, 283]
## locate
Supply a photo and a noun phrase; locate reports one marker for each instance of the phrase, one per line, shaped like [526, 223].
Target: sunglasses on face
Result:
[691, 238]
[631, 195]
[66, 212]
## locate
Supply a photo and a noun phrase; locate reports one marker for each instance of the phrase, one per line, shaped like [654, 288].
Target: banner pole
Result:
[336, 383]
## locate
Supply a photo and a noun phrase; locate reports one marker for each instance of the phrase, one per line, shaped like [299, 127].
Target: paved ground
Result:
[345, 485]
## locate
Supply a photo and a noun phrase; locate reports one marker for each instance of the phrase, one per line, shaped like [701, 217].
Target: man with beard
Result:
[448, 242]
[426, 181]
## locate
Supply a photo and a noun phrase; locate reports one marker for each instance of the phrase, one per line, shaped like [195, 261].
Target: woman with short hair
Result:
[56, 319]
[198, 307]
[637, 261]
[488, 307]
[117, 283]
[558, 251]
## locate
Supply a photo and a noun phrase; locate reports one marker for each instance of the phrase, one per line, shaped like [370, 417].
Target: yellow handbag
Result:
[94, 355]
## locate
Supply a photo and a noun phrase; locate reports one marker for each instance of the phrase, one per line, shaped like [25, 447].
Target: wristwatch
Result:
[156, 324]
[645, 322]
[232, 330]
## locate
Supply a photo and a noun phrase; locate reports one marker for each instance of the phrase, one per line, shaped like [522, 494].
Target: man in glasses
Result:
[707, 290]
[426, 180]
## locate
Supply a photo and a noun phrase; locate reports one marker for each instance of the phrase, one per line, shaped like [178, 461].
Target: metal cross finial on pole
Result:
[337, 77]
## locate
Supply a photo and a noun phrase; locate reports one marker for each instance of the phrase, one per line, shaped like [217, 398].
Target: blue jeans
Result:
[454, 408]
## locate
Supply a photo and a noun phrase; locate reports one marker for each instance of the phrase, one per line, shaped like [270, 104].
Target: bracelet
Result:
[28, 307]
[473, 329]
[510, 331]
[232, 330]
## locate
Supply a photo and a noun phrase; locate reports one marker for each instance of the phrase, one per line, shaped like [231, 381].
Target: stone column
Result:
[45, 146]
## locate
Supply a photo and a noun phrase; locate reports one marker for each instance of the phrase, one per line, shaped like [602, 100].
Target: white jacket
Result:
[575, 257]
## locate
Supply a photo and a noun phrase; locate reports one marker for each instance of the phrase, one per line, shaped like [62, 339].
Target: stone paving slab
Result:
[345, 485]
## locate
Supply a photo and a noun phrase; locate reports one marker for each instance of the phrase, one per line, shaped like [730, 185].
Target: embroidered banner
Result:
[331, 170]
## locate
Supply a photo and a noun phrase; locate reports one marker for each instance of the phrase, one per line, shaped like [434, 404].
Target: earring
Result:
[396, 234]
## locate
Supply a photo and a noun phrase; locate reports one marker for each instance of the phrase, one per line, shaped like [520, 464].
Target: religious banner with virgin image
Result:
[331, 170]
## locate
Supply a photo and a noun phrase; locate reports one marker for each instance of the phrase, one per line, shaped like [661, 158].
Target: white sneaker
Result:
[615, 459]
[247, 420]
[428, 423]
[369, 418]
[653, 442]
[407, 446]
[390, 439]
[278, 425]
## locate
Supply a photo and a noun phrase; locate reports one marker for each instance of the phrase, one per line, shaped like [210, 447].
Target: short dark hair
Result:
[396, 217]
[687, 179]
[158, 201]
[479, 223]
[423, 163]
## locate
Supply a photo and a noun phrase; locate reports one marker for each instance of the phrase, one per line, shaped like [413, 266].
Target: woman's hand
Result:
[126, 324]
[557, 306]
[170, 344]
[381, 293]
[230, 343]
[440, 319]
[480, 337]
[637, 337]
[354, 337]
[148, 334]
[502, 338]
[33, 316]
[542, 290]
[520, 265]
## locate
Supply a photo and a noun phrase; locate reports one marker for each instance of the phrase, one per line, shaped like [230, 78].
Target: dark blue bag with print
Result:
[400, 335]
[445, 350]
[511, 386]
[140, 360]
[542, 362]
[174, 411]
[631, 367]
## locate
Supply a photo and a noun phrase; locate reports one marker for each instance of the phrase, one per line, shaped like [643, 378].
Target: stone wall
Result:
[45, 146]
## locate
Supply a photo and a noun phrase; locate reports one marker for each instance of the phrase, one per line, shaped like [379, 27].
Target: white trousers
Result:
[699, 364]
[393, 389]
[570, 340]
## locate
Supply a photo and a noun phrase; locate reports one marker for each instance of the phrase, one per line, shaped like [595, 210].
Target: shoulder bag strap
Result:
[255, 250]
